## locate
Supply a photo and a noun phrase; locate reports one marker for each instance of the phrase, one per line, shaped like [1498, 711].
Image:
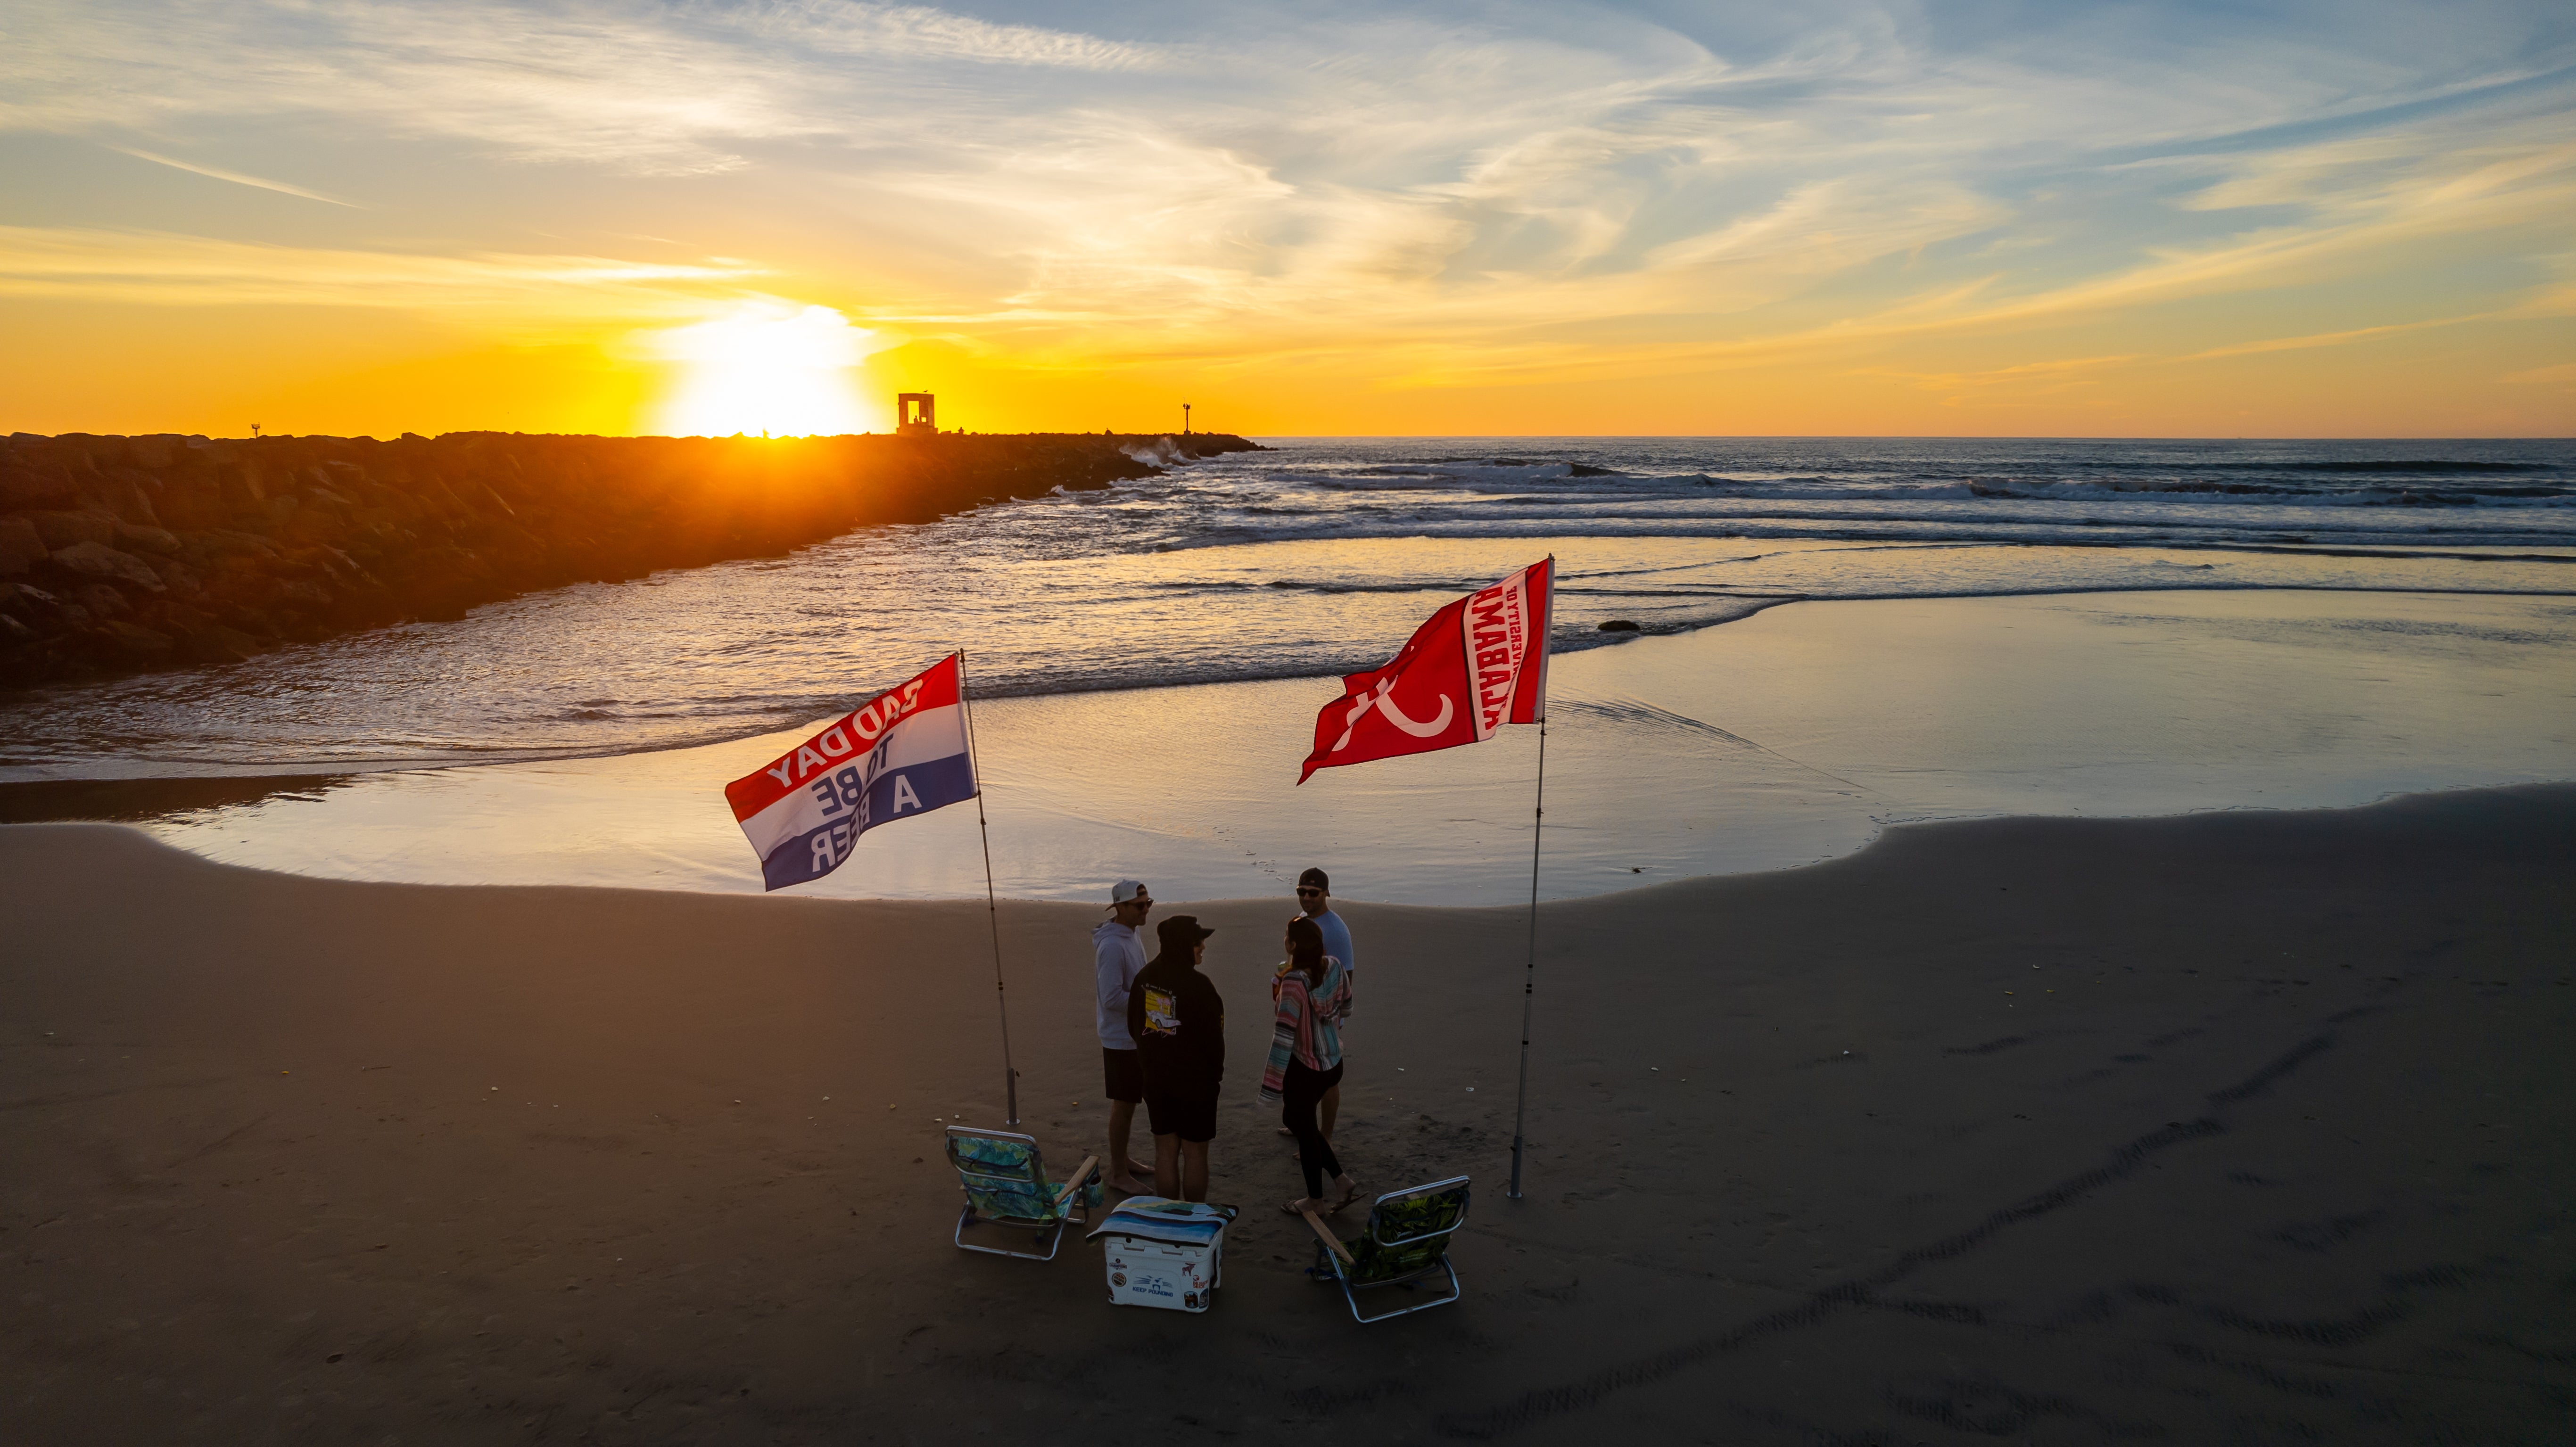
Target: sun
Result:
[766, 367]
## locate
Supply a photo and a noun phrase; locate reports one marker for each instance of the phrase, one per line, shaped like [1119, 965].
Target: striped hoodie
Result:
[1306, 1028]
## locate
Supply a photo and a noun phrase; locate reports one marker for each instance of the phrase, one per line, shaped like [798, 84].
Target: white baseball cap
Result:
[1128, 889]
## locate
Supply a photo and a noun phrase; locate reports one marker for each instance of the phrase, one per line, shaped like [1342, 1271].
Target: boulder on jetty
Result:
[121, 554]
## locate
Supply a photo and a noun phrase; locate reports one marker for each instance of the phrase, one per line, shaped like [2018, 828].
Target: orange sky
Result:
[2168, 221]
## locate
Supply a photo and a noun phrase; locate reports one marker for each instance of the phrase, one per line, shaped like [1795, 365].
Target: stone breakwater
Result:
[125, 554]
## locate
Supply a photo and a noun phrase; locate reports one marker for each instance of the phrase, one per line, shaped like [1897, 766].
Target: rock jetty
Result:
[125, 554]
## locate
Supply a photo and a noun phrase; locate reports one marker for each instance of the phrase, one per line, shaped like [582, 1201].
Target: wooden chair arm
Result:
[1331, 1241]
[1081, 1173]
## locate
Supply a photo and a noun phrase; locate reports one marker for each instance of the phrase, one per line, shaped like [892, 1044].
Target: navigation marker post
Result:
[992, 908]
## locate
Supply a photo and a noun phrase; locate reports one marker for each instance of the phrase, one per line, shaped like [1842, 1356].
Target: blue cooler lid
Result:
[1154, 1218]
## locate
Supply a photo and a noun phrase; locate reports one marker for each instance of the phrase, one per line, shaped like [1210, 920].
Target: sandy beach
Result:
[2228, 1127]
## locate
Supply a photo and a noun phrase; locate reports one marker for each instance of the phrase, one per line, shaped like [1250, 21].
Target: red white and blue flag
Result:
[901, 753]
[1471, 668]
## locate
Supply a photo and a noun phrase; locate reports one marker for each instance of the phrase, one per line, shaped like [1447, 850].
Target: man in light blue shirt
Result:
[1315, 897]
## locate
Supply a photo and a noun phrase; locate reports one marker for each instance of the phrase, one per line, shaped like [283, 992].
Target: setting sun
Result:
[765, 367]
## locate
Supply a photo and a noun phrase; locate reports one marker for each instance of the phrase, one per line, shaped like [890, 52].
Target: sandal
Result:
[1338, 1206]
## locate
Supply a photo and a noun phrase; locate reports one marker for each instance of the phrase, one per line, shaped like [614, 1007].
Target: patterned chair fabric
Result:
[1408, 1235]
[1407, 1247]
[1003, 1179]
[1006, 1183]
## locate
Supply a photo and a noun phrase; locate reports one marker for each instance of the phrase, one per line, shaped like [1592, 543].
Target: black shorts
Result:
[1192, 1117]
[1123, 1073]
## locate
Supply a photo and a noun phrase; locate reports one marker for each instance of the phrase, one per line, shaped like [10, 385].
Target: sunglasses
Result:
[1304, 889]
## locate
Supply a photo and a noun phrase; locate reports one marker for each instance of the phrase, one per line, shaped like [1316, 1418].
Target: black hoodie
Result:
[1177, 1020]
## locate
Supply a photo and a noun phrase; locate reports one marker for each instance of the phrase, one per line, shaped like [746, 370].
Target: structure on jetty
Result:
[916, 414]
[124, 554]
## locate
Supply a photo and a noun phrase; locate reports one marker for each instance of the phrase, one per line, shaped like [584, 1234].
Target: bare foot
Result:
[1129, 1185]
[1138, 1170]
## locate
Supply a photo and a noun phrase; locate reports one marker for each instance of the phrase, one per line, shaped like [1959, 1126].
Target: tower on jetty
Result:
[916, 414]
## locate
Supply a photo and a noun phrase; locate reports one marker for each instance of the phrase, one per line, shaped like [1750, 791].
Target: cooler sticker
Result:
[1162, 1012]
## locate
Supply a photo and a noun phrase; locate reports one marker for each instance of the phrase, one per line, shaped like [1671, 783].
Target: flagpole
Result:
[993, 909]
[1529, 977]
[1529, 974]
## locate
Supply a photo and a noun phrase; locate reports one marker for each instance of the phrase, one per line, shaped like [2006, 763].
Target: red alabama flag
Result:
[1478, 664]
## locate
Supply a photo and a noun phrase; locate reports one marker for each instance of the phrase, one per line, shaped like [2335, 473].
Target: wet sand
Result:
[1791, 736]
[2241, 1127]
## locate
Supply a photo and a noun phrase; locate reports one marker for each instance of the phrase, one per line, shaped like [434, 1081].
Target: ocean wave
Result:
[2195, 489]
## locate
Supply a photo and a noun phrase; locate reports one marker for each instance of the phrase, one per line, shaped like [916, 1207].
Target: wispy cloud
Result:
[2561, 375]
[158, 269]
[919, 32]
[2330, 339]
[647, 89]
[1429, 194]
[236, 177]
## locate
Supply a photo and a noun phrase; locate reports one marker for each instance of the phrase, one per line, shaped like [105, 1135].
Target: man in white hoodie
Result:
[1117, 955]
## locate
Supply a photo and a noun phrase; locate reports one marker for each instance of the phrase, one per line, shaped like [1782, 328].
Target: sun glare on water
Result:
[766, 367]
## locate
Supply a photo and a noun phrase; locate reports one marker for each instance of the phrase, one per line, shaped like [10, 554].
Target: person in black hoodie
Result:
[1177, 1020]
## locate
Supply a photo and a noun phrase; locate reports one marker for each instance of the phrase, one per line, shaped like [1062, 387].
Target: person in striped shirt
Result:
[1306, 1059]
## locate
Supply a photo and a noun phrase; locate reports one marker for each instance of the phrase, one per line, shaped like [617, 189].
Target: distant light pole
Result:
[1185, 419]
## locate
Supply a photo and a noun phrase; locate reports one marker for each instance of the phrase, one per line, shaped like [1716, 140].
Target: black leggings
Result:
[1301, 1092]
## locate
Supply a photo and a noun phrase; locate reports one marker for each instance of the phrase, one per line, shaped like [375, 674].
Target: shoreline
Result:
[1793, 736]
[112, 808]
[1972, 1126]
[143, 771]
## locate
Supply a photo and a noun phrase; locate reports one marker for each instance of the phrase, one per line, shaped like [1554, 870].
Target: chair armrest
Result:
[1081, 1173]
[1331, 1241]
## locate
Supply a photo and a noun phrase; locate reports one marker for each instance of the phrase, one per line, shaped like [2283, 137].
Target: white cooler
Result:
[1164, 1253]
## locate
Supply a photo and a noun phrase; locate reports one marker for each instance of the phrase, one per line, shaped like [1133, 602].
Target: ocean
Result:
[1316, 558]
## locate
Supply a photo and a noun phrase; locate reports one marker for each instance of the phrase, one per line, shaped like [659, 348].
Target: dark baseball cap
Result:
[1316, 878]
[1181, 931]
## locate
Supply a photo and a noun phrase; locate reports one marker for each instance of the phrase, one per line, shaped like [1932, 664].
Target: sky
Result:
[2140, 219]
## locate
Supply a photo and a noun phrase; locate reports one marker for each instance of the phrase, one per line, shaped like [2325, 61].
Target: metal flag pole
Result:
[993, 908]
[1529, 975]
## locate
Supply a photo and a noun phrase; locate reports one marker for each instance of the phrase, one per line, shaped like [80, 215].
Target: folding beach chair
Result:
[1407, 1246]
[1006, 1185]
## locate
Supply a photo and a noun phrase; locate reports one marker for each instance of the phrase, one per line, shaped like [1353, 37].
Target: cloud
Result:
[2562, 374]
[918, 32]
[236, 177]
[647, 89]
[159, 269]
[1434, 195]
[2329, 339]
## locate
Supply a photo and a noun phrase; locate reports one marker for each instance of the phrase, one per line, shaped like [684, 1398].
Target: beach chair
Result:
[1406, 1246]
[1007, 1185]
